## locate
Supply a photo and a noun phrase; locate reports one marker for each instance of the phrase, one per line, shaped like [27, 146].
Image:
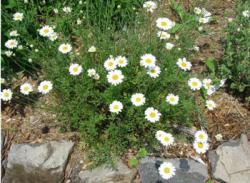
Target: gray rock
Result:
[230, 162]
[37, 163]
[187, 170]
[121, 174]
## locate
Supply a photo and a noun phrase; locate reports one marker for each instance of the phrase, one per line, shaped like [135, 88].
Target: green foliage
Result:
[108, 13]
[236, 60]
[82, 103]
[212, 66]
[133, 162]
[142, 153]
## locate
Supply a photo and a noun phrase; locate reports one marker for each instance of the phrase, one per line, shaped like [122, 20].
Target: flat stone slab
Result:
[230, 162]
[187, 170]
[102, 174]
[37, 163]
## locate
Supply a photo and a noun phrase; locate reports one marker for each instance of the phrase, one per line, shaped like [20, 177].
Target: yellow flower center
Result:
[201, 136]
[65, 48]
[172, 99]
[26, 88]
[75, 69]
[138, 99]
[153, 71]
[45, 87]
[152, 115]
[166, 170]
[6, 94]
[148, 61]
[164, 24]
[116, 107]
[194, 83]
[200, 145]
[110, 64]
[115, 77]
[46, 30]
[166, 139]
[184, 64]
[121, 61]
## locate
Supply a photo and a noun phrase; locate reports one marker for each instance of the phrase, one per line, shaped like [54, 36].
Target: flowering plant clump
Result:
[119, 89]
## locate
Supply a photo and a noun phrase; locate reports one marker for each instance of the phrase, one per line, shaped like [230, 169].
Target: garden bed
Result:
[79, 107]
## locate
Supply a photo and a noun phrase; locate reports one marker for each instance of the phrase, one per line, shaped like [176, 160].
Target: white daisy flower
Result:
[121, 61]
[67, 9]
[207, 83]
[194, 83]
[197, 10]
[154, 72]
[200, 28]
[3, 80]
[78, 21]
[184, 64]
[65, 48]
[26, 88]
[230, 19]
[204, 20]
[201, 136]
[138, 99]
[46, 31]
[45, 87]
[6, 94]
[210, 104]
[11, 43]
[53, 36]
[164, 23]
[14, 33]
[169, 46]
[115, 77]
[92, 49]
[148, 60]
[8, 53]
[96, 77]
[110, 64]
[246, 13]
[55, 10]
[152, 115]
[20, 47]
[167, 170]
[172, 99]
[150, 6]
[167, 139]
[200, 147]
[91, 72]
[196, 48]
[219, 137]
[18, 16]
[75, 69]
[159, 134]
[163, 35]
[115, 107]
